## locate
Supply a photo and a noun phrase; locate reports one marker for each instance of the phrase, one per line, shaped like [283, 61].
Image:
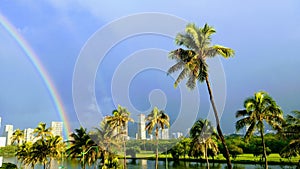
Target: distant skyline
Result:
[265, 36]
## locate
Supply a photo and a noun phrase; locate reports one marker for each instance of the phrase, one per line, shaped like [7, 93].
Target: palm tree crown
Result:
[42, 131]
[291, 130]
[119, 119]
[18, 135]
[157, 119]
[259, 108]
[192, 60]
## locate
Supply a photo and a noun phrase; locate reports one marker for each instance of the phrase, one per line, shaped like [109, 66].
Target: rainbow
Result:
[41, 70]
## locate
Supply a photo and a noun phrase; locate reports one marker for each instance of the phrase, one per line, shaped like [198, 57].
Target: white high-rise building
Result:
[141, 127]
[165, 134]
[28, 135]
[9, 129]
[177, 135]
[57, 128]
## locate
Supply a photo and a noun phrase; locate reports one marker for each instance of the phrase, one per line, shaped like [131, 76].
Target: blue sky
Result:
[265, 36]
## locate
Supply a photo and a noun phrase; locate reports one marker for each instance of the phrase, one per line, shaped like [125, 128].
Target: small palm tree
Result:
[119, 121]
[202, 134]
[17, 136]
[192, 62]
[40, 152]
[23, 154]
[106, 138]
[155, 120]
[259, 109]
[57, 148]
[291, 130]
[82, 147]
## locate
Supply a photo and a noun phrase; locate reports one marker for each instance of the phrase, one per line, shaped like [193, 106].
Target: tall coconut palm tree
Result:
[192, 62]
[291, 130]
[155, 120]
[119, 121]
[82, 147]
[41, 131]
[202, 134]
[259, 108]
[17, 136]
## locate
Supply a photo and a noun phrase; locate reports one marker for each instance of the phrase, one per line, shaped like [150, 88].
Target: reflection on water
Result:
[150, 164]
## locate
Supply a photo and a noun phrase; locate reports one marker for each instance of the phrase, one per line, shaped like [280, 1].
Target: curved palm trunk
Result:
[227, 156]
[156, 156]
[264, 148]
[206, 157]
[124, 153]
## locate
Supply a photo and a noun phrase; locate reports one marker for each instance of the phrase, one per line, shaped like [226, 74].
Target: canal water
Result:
[150, 164]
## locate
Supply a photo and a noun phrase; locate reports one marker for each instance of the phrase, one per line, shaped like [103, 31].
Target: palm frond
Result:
[241, 113]
[224, 51]
[181, 76]
[208, 30]
[250, 131]
[194, 32]
[187, 41]
[243, 123]
[191, 83]
[205, 34]
[179, 65]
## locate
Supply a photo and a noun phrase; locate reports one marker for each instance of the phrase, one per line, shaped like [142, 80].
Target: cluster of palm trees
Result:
[43, 150]
[103, 142]
[260, 109]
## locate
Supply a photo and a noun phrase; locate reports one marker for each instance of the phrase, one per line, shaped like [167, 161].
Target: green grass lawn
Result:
[271, 158]
[243, 158]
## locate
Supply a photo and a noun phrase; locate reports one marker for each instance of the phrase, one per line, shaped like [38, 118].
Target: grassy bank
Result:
[243, 158]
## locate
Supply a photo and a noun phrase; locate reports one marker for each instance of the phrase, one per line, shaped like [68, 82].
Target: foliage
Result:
[234, 150]
[8, 151]
[111, 161]
[17, 136]
[177, 151]
[41, 131]
[46, 148]
[82, 148]
[132, 151]
[8, 166]
[291, 131]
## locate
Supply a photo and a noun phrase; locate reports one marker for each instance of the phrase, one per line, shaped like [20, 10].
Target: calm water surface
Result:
[150, 164]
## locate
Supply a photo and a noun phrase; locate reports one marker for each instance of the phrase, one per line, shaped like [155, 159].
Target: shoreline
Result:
[288, 163]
